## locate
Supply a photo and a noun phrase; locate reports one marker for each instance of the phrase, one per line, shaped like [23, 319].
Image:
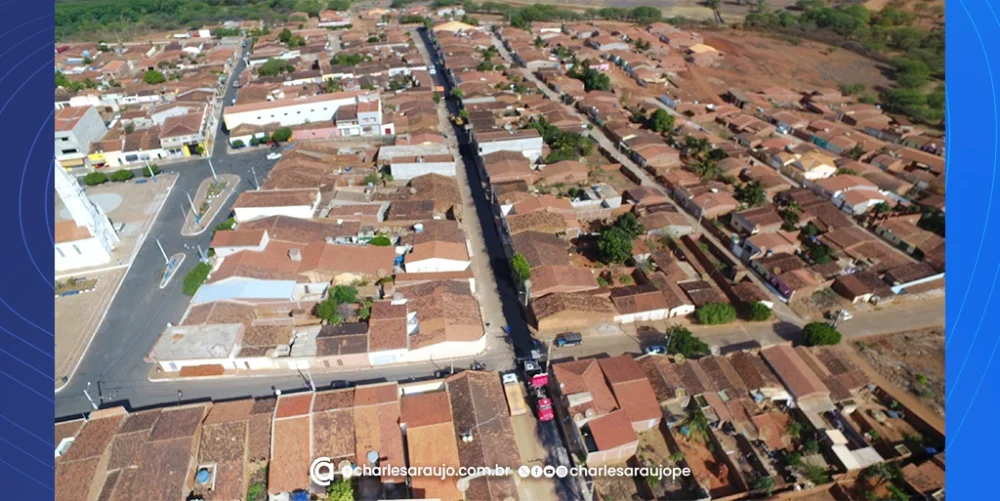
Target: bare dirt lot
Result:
[754, 61]
[912, 360]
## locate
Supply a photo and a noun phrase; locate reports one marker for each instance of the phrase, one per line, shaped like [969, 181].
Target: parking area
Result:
[78, 316]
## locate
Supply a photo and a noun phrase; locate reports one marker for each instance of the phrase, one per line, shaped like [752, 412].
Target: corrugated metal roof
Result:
[245, 289]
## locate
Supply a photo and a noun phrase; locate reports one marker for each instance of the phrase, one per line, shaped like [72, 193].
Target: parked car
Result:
[657, 349]
[543, 405]
[569, 339]
[274, 155]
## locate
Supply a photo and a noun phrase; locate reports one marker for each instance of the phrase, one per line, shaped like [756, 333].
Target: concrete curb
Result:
[168, 274]
[215, 212]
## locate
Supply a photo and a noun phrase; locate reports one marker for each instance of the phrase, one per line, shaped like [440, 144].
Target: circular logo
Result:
[524, 471]
[549, 471]
[562, 471]
[536, 471]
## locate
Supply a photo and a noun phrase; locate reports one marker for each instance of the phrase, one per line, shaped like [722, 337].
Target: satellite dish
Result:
[590, 413]
[678, 358]
[577, 417]
[462, 484]
[372, 457]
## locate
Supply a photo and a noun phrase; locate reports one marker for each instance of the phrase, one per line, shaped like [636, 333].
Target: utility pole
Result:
[216, 178]
[197, 217]
[151, 173]
[165, 258]
[255, 182]
[201, 254]
[91, 400]
[312, 384]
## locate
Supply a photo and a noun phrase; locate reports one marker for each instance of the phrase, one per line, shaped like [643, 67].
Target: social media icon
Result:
[524, 471]
[562, 471]
[536, 471]
[549, 471]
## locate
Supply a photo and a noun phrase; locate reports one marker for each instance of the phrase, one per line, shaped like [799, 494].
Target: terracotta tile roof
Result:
[294, 405]
[126, 449]
[754, 371]
[637, 299]
[724, 377]
[276, 198]
[140, 421]
[369, 259]
[300, 231]
[631, 388]
[445, 318]
[376, 424]
[68, 231]
[548, 279]
[926, 478]
[291, 454]
[585, 376]
[801, 382]
[693, 378]
[73, 479]
[346, 339]
[662, 376]
[183, 125]
[237, 238]
[559, 302]
[438, 250]
[540, 248]
[540, 220]
[612, 430]
[425, 409]
[387, 327]
[93, 439]
[220, 312]
[178, 423]
[479, 406]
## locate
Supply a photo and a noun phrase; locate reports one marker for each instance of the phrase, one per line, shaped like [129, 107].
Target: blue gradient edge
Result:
[27, 344]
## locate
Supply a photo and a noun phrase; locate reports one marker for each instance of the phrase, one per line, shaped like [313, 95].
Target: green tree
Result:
[339, 5]
[95, 178]
[645, 14]
[716, 314]
[380, 241]
[758, 312]
[61, 80]
[281, 135]
[629, 225]
[196, 277]
[751, 194]
[457, 93]
[765, 484]
[343, 294]
[522, 269]
[340, 490]
[372, 178]
[153, 77]
[614, 246]
[121, 176]
[820, 334]
[274, 66]
[851, 89]
[794, 429]
[910, 73]
[821, 254]
[661, 121]
[680, 340]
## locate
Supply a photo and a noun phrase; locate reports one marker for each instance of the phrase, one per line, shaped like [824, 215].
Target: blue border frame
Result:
[26, 204]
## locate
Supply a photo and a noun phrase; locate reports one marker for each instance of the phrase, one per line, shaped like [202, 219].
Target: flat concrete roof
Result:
[193, 342]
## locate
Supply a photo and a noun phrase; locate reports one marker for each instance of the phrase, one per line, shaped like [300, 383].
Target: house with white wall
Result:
[258, 204]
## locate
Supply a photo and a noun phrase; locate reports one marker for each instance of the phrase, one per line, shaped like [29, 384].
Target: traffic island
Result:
[172, 266]
[207, 202]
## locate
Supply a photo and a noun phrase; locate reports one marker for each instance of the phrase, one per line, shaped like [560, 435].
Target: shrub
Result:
[629, 225]
[151, 167]
[343, 294]
[120, 176]
[371, 179]
[380, 241]
[153, 77]
[95, 178]
[238, 143]
[820, 334]
[758, 312]
[680, 340]
[281, 135]
[196, 277]
[716, 314]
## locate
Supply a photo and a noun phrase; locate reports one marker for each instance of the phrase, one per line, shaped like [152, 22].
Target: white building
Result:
[410, 167]
[294, 111]
[76, 128]
[301, 204]
[89, 238]
[438, 257]
[195, 345]
[528, 142]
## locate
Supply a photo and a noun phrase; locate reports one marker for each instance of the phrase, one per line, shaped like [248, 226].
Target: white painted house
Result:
[438, 257]
[230, 242]
[301, 204]
[77, 247]
[528, 142]
[293, 111]
[410, 167]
